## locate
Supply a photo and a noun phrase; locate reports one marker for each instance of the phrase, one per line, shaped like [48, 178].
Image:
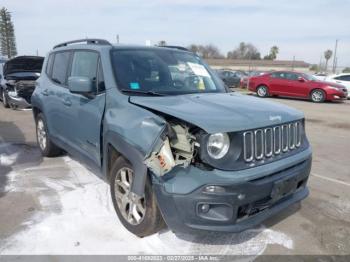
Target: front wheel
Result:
[141, 216]
[318, 96]
[262, 91]
[4, 99]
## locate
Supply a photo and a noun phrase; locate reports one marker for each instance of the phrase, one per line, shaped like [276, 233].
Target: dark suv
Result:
[174, 145]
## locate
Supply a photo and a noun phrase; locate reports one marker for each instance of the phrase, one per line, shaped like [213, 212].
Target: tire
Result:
[47, 147]
[146, 218]
[262, 91]
[318, 96]
[4, 99]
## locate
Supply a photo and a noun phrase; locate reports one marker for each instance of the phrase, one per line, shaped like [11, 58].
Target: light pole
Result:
[335, 56]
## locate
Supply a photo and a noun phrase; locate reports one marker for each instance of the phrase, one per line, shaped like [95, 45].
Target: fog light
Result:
[214, 189]
[205, 208]
[336, 97]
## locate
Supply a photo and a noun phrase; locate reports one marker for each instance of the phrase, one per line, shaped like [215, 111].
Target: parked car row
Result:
[237, 78]
[298, 85]
[18, 80]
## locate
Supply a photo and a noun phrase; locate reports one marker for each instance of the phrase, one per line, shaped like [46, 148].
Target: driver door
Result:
[84, 118]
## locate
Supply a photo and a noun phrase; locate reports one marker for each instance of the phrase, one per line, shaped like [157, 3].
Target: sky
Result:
[304, 29]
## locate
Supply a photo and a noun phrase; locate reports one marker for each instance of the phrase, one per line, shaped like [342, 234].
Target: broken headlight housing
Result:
[218, 145]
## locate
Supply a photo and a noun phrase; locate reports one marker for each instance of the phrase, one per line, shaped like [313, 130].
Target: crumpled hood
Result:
[23, 64]
[220, 112]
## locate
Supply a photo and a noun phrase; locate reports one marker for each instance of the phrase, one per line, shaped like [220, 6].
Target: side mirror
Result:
[300, 79]
[80, 85]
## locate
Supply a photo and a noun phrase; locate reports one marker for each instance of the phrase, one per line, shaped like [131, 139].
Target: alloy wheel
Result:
[262, 91]
[132, 208]
[317, 96]
[41, 134]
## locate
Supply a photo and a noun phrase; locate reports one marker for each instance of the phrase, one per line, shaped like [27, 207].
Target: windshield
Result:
[309, 77]
[167, 72]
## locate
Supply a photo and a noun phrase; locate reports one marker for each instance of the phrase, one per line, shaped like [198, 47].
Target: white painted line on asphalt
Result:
[331, 179]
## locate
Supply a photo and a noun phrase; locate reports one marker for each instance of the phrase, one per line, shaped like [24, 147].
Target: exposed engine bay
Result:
[21, 88]
[178, 149]
[20, 74]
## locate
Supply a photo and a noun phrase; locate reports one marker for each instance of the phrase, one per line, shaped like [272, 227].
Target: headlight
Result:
[12, 93]
[218, 145]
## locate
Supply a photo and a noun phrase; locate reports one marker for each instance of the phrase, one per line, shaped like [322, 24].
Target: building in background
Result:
[261, 65]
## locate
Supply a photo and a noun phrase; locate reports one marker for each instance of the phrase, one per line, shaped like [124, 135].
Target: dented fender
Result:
[122, 127]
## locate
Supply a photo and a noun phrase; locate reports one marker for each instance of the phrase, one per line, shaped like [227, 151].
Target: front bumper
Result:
[337, 95]
[242, 205]
[17, 101]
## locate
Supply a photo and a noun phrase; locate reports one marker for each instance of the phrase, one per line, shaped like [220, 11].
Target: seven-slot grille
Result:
[266, 142]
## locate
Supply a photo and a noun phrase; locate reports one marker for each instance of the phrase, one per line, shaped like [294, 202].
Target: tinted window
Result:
[153, 70]
[343, 78]
[278, 75]
[291, 76]
[59, 69]
[49, 65]
[85, 64]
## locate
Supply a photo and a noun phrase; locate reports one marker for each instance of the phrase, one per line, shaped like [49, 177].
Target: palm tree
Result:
[327, 55]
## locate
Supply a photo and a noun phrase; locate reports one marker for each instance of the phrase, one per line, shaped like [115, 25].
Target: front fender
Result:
[134, 132]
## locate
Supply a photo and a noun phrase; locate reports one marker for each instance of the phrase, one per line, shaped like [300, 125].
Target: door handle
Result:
[338, 82]
[45, 92]
[67, 102]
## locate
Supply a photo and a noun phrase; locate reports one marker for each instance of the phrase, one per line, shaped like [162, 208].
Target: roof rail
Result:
[87, 40]
[175, 47]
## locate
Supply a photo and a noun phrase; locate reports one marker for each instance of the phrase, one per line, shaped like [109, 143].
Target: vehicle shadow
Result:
[14, 152]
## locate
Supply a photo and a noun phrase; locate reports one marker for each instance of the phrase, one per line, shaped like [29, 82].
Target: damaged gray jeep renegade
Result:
[176, 147]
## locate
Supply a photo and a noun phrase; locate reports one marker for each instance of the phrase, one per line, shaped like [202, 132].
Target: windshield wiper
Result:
[150, 93]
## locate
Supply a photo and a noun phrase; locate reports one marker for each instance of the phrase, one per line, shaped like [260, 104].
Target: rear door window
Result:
[281, 75]
[60, 68]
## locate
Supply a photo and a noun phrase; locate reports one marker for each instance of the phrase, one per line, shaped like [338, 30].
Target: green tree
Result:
[7, 34]
[273, 53]
[327, 55]
[346, 70]
[206, 51]
[244, 51]
[162, 43]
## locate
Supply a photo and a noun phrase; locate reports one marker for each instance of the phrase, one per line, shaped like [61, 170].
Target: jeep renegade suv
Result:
[174, 145]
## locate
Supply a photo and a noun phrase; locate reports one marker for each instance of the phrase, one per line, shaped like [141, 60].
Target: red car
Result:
[299, 85]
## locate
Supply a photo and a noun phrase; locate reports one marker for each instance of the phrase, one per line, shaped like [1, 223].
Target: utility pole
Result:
[320, 65]
[118, 39]
[335, 56]
[293, 62]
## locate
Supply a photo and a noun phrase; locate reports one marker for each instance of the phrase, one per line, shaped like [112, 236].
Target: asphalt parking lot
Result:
[58, 206]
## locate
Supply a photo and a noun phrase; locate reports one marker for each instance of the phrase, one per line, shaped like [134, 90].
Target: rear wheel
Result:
[4, 99]
[47, 147]
[262, 91]
[141, 216]
[318, 96]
